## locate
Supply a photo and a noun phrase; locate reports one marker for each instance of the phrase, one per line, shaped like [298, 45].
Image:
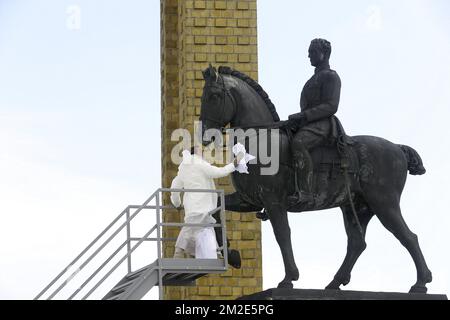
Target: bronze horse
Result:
[375, 184]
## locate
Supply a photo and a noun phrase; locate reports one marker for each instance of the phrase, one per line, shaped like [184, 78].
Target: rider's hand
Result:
[291, 125]
[298, 116]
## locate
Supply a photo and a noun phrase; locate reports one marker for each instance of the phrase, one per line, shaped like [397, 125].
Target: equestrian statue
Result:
[320, 167]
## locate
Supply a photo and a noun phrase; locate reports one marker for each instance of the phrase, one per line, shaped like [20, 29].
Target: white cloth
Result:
[242, 165]
[196, 173]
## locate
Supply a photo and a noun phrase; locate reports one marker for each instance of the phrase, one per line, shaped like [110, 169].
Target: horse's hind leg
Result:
[279, 220]
[390, 216]
[355, 244]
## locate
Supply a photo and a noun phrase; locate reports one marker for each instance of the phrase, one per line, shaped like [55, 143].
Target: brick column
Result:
[193, 34]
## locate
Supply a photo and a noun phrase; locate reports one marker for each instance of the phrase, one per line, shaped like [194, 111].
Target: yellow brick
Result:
[227, 14]
[221, 57]
[237, 272]
[228, 273]
[232, 40]
[231, 23]
[220, 5]
[248, 254]
[226, 291]
[242, 5]
[248, 217]
[193, 290]
[236, 235]
[214, 291]
[248, 235]
[248, 272]
[232, 58]
[244, 40]
[248, 244]
[221, 22]
[248, 282]
[198, 93]
[200, 4]
[249, 290]
[228, 49]
[188, 3]
[250, 263]
[200, 57]
[200, 22]
[243, 57]
[198, 75]
[243, 23]
[231, 282]
[237, 291]
[203, 291]
[221, 40]
[236, 216]
[200, 40]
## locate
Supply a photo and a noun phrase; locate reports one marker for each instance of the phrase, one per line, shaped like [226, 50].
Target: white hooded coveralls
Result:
[196, 173]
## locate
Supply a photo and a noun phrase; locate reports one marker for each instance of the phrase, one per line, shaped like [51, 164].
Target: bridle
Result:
[218, 119]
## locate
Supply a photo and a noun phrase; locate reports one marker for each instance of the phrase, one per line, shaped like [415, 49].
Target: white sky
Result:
[80, 127]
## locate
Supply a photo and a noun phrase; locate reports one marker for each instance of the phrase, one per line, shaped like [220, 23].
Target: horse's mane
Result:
[252, 83]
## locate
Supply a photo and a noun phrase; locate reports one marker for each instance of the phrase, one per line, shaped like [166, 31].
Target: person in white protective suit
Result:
[196, 173]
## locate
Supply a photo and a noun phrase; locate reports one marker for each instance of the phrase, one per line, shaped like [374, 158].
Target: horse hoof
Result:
[334, 285]
[285, 285]
[418, 289]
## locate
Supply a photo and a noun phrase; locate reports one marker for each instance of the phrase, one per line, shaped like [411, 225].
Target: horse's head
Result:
[218, 106]
[231, 97]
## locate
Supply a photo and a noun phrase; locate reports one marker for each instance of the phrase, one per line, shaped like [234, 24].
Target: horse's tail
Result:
[415, 165]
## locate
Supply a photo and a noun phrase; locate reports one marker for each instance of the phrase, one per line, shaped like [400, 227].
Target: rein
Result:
[271, 125]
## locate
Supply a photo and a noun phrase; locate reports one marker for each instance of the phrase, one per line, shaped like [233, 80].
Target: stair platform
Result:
[175, 272]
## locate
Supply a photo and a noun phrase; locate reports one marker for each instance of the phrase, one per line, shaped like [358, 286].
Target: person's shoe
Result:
[234, 258]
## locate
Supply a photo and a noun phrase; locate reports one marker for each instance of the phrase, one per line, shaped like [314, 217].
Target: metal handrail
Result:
[130, 249]
[98, 270]
[102, 246]
[80, 255]
[85, 250]
[118, 264]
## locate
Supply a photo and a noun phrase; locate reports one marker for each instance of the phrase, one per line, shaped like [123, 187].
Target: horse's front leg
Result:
[278, 218]
[233, 202]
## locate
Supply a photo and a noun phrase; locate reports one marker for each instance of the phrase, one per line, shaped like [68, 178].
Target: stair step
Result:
[137, 272]
[116, 297]
[123, 286]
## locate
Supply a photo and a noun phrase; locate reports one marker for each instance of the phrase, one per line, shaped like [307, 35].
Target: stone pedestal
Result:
[312, 294]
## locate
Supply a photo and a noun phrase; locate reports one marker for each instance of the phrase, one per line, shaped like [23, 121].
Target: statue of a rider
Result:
[319, 101]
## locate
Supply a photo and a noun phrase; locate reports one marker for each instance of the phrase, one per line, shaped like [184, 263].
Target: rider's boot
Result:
[303, 188]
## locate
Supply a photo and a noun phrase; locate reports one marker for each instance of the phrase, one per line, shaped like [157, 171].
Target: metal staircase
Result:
[136, 284]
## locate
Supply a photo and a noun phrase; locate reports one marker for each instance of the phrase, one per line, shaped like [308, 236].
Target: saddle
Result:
[334, 162]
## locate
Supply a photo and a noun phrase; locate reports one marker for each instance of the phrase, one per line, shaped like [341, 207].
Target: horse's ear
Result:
[208, 73]
[212, 72]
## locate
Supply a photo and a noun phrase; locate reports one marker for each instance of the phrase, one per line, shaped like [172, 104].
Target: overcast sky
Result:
[80, 127]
